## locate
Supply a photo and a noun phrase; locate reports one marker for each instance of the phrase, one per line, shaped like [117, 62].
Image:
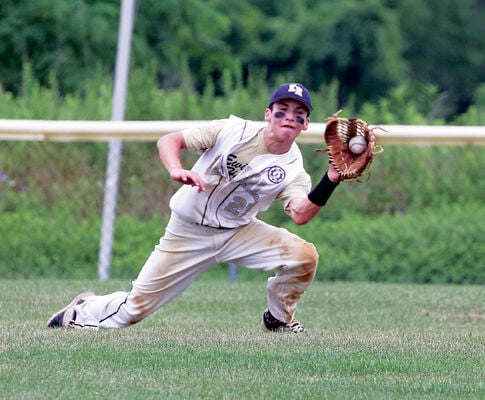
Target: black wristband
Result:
[322, 192]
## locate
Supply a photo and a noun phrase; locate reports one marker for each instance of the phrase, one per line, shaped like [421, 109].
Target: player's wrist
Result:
[333, 175]
[322, 192]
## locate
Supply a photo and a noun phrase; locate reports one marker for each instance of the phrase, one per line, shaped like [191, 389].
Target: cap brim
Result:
[298, 99]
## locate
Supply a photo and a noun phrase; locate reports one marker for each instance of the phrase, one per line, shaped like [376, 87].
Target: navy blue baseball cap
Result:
[295, 91]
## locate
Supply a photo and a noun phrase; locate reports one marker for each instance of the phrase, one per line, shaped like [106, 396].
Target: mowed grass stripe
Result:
[365, 340]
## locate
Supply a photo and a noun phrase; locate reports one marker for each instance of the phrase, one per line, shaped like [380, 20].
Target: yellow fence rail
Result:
[71, 131]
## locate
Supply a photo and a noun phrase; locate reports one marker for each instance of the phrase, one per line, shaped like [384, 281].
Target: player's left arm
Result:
[303, 209]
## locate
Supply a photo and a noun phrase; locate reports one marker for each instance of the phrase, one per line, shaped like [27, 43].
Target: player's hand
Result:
[187, 177]
[333, 174]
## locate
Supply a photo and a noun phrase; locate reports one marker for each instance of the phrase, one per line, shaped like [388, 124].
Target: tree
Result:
[445, 45]
[364, 47]
[64, 40]
[180, 32]
[358, 44]
[354, 41]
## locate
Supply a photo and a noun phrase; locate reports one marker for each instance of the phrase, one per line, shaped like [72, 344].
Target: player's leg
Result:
[179, 259]
[163, 277]
[265, 247]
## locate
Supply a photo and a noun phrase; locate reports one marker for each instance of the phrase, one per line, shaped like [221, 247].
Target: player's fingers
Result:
[178, 175]
[197, 181]
[189, 178]
[201, 187]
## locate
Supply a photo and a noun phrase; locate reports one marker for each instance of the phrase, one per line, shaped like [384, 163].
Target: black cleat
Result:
[272, 324]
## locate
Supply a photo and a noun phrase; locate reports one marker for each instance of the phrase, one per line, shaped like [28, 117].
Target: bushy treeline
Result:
[436, 245]
[442, 244]
[369, 46]
[420, 204]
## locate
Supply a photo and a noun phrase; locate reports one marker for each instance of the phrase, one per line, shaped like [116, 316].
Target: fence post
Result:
[232, 272]
[115, 146]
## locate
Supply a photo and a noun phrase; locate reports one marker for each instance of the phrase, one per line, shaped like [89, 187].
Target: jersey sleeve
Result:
[300, 187]
[202, 138]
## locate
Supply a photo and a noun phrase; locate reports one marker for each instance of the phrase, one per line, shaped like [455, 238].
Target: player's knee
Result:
[308, 261]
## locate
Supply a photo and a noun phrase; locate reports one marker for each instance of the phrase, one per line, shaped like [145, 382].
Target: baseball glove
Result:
[338, 133]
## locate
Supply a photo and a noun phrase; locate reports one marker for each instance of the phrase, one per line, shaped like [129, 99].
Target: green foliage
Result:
[51, 194]
[192, 33]
[133, 243]
[65, 39]
[407, 178]
[369, 47]
[440, 37]
[414, 102]
[46, 103]
[367, 62]
[53, 175]
[475, 115]
[47, 244]
[439, 245]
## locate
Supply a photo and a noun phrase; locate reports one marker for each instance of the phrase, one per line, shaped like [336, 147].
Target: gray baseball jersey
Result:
[236, 192]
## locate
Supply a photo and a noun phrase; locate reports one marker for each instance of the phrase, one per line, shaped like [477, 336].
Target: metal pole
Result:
[115, 146]
[232, 272]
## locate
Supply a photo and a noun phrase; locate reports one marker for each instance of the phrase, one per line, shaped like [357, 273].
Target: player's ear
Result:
[307, 122]
[267, 114]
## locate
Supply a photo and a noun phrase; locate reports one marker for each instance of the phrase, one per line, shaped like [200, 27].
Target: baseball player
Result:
[244, 166]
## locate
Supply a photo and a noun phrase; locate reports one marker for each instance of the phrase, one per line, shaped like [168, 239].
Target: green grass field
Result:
[365, 341]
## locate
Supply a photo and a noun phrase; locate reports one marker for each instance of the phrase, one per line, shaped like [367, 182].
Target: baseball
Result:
[357, 144]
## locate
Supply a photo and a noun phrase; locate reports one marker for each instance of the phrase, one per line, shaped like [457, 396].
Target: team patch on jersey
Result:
[276, 174]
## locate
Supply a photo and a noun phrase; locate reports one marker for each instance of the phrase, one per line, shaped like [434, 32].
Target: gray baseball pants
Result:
[187, 250]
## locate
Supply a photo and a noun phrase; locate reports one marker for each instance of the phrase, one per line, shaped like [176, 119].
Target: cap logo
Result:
[294, 88]
[294, 91]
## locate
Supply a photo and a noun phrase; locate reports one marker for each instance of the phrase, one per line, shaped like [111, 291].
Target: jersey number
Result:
[237, 205]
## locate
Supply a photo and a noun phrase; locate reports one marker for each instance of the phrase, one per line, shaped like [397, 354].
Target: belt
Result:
[189, 221]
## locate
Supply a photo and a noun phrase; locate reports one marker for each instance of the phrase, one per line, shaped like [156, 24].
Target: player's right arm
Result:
[169, 147]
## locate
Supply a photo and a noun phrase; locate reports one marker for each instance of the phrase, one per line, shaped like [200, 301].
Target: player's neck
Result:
[276, 145]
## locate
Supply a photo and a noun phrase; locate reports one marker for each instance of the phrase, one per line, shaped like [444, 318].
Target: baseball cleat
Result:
[67, 315]
[272, 324]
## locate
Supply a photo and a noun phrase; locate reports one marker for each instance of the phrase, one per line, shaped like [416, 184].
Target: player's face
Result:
[287, 118]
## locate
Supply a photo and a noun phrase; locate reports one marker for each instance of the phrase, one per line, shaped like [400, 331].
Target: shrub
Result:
[37, 243]
[439, 245]
[416, 218]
